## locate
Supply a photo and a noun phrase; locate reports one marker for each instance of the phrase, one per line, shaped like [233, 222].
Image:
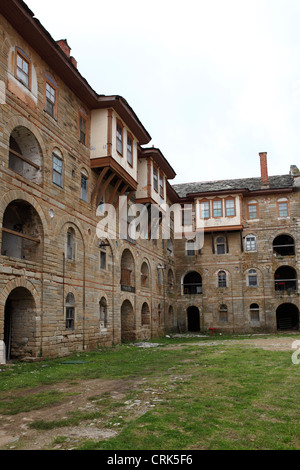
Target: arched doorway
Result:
[193, 318]
[19, 323]
[287, 316]
[127, 322]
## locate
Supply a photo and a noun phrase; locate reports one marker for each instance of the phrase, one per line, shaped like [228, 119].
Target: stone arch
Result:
[193, 318]
[22, 196]
[19, 297]
[20, 121]
[127, 321]
[127, 280]
[287, 317]
[145, 273]
[191, 283]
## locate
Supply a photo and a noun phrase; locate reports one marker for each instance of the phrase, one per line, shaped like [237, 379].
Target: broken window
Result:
[252, 278]
[70, 312]
[254, 313]
[22, 232]
[222, 279]
[127, 272]
[221, 245]
[71, 244]
[145, 275]
[84, 187]
[223, 313]
[286, 279]
[25, 155]
[103, 313]
[192, 283]
[284, 245]
[145, 314]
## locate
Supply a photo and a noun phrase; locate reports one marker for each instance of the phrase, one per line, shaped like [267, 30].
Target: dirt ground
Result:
[15, 432]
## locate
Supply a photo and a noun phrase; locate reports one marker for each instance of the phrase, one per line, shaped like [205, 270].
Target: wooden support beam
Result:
[21, 235]
[113, 195]
[17, 154]
[99, 181]
[104, 188]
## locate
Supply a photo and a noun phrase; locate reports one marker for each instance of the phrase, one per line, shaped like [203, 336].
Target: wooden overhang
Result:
[159, 159]
[110, 172]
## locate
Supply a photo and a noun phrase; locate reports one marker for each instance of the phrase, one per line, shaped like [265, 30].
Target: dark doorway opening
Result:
[287, 316]
[193, 315]
[19, 324]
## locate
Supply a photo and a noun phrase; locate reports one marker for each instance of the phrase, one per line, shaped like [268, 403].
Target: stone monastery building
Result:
[64, 152]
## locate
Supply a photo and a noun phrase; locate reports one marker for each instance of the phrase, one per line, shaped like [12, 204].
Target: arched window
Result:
[170, 279]
[70, 311]
[103, 313]
[84, 186]
[223, 313]
[254, 313]
[71, 244]
[192, 283]
[284, 245]
[145, 314]
[127, 272]
[222, 279]
[25, 155]
[22, 232]
[252, 278]
[145, 281]
[250, 243]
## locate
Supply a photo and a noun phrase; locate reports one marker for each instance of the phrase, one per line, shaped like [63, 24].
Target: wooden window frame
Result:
[54, 87]
[58, 157]
[278, 203]
[129, 138]
[155, 169]
[120, 124]
[253, 204]
[234, 206]
[246, 248]
[213, 210]
[252, 273]
[83, 175]
[85, 119]
[222, 280]
[161, 186]
[26, 59]
[205, 201]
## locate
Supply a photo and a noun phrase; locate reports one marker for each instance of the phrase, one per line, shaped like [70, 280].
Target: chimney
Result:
[63, 44]
[264, 168]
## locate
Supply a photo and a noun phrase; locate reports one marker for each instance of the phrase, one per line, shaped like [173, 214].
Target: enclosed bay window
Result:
[130, 150]
[155, 178]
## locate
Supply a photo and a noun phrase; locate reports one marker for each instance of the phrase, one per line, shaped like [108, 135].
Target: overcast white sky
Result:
[214, 82]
